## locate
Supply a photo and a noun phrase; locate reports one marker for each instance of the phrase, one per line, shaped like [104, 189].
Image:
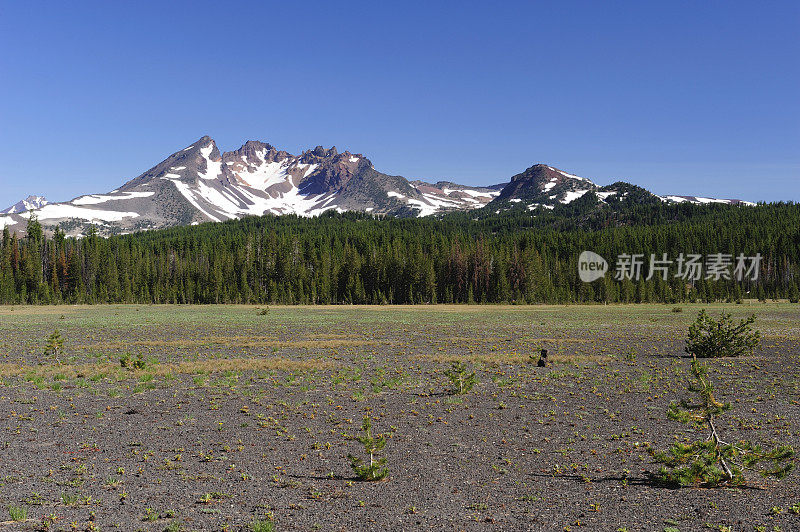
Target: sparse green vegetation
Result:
[237, 418]
[17, 513]
[262, 526]
[128, 361]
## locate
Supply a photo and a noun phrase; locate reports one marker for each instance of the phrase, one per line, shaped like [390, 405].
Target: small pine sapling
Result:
[462, 380]
[714, 462]
[54, 345]
[375, 468]
[710, 338]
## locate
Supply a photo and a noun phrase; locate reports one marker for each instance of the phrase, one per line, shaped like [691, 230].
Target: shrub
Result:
[712, 461]
[128, 362]
[376, 468]
[710, 338]
[461, 379]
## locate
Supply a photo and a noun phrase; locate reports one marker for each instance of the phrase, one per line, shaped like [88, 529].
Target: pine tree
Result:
[480, 257]
[794, 293]
[54, 345]
[712, 461]
[710, 338]
[463, 381]
[375, 468]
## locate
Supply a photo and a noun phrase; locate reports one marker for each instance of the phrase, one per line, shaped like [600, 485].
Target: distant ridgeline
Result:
[467, 257]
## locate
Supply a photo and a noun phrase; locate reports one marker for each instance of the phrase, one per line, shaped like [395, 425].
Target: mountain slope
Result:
[200, 184]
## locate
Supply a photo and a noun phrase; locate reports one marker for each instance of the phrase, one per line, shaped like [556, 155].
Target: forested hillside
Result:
[472, 257]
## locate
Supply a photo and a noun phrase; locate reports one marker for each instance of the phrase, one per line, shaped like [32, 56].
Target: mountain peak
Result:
[28, 204]
[544, 184]
[256, 145]
[198, 184]
[319, 151]
[537, 172]
[204, 142]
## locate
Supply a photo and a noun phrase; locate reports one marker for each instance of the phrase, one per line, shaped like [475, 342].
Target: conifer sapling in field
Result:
[375, 468]
[710, 338]
[54, 344]
[712, 461]
[462, 380]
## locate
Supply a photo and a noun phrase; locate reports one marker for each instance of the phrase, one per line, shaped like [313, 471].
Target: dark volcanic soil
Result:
[238, 417]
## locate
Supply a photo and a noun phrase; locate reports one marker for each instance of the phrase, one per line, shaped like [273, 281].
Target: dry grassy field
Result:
[241, 418]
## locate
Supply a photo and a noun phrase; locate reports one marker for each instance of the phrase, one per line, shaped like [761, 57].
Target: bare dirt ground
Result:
[238, 417]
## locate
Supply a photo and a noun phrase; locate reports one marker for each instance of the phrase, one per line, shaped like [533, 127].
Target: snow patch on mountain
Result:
[572, 195]
[676, 199]
[309, 170]
[571, 176]
[213, 168]
[425, 209]
[187, 193]
[295, 203]
[471, 192]
[604, 195]
[702, 200]
[446, 202]
[67, 211]
[265, 175]
[94, 199]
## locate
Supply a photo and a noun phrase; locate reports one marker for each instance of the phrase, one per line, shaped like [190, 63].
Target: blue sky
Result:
[693, 98]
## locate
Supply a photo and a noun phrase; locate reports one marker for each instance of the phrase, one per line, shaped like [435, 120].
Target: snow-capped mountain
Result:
[29, 203]
[545, 186]
[200, 184]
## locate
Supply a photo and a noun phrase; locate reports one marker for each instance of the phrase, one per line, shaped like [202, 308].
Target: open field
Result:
[241, 415]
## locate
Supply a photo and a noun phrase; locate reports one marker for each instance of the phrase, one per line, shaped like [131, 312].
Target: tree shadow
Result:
[433, 394]
[649, 479]
[325, 477]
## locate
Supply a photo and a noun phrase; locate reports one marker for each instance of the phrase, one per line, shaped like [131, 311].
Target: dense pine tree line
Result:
[477, 257]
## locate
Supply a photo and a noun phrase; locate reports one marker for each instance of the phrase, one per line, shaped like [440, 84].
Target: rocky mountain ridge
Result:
[200, 184]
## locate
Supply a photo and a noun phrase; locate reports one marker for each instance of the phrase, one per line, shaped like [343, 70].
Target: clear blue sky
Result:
[697, 98]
